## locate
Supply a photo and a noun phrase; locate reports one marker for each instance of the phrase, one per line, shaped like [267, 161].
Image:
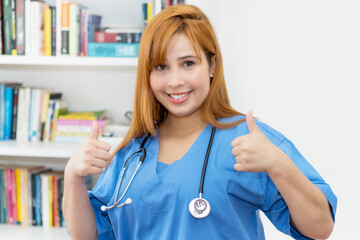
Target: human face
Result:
[182, 82]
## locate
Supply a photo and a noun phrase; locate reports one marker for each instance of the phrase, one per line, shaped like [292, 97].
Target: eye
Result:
[189, 64]
[161, 67]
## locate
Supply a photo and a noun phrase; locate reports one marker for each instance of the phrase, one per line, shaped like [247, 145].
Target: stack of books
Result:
[31, 196]
[74, 127]
[29, 113]
[36, 28]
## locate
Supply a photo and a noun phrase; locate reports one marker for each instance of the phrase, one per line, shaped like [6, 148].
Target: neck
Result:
[182, 126]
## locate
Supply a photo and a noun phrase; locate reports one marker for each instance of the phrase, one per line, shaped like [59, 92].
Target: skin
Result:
[309, 209]
[181, 85]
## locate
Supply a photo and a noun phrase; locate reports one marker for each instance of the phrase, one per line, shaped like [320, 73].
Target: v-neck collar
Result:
[168, 181]
[150, 162]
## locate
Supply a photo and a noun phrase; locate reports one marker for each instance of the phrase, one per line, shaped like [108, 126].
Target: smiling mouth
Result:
[179, 96]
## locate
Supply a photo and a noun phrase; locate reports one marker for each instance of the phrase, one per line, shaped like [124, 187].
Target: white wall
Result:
[296, 64]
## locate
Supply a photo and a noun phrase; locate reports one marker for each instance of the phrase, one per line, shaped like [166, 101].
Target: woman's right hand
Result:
[91, 157]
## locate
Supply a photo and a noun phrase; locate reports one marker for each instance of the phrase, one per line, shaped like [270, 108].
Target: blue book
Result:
[113, 49]
[9, 96]
[38, 221]
[93, 22]
[2, 111]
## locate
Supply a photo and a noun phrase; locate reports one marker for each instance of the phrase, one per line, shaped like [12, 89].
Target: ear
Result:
[213, 64]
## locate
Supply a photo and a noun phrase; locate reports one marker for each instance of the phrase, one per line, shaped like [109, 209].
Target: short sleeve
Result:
[103, 225]
[100, 195]
[275, 207]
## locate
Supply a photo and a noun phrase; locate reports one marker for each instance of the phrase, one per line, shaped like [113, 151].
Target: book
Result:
[59, 108]
[7, 27]
[9, 96]
[46, 97]
[93, 22]
[84, 14]
[3, 86]
[53, 30]
[20, 27]
[27, 16]
[1, 31]
[118, 36]
[14, 112]
[47, 30]
[74, 29]
[22, 128]
[86, 115]
[113, 49]
[37, 28]
[65, 25]
[35, 114]
[13, 27]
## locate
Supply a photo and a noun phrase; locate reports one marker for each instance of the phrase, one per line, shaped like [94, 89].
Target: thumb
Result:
[251, 122]
[95, 130]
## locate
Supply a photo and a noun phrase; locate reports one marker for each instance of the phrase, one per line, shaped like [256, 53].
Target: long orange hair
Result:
[191, 21]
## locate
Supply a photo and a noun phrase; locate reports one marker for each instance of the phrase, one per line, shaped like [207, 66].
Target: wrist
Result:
[280, 164]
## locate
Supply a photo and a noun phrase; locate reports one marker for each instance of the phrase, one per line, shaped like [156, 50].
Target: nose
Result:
[175, 78]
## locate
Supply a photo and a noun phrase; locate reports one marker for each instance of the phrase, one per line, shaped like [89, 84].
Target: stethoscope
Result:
[198, 207]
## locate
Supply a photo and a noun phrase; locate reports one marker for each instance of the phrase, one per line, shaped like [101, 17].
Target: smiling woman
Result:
[182, 82]
[183, 126]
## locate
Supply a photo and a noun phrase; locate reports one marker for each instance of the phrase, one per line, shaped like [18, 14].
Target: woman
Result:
[183, 119]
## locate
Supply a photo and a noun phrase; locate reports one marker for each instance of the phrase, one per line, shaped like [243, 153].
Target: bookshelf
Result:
[87, 83]
[7, 60]
[46, 149]
[14, 232]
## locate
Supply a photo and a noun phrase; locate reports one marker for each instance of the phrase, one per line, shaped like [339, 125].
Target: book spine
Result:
[18, 194]
[27, 27]
[2, 197]
[45, 200]
[93, 22]
[58, 27]
[145, 14]
[113, 49]
[118, 37]
[14, 113]
[20, 27]
[38, 215]
[9, 95]
[13, 27]
[83, 31]
[1, 35]
[13, 196]
[47, 30]
[53, 30]
[10, 210]
[36, 28]
[7, 27]
[2, 111]
[65, 24]
[50, 207]
[149, 11]
[74, 29]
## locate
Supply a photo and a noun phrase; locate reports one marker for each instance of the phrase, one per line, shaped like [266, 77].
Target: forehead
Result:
[178, 44]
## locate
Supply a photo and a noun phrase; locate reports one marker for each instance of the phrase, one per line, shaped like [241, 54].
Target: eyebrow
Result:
[187, 56]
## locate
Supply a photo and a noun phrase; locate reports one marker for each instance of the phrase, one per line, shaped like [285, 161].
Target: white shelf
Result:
[15, 232]
[68, 61]
[46, 150]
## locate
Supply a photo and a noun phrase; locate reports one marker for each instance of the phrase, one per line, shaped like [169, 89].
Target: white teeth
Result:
[179, 96]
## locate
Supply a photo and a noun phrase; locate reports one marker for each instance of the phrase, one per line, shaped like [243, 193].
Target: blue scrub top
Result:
[160, 199]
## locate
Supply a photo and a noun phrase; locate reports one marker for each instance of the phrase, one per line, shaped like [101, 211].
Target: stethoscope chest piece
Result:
[199, 208]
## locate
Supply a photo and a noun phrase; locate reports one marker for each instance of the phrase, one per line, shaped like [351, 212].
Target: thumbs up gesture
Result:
[254, 152]
[91, 157]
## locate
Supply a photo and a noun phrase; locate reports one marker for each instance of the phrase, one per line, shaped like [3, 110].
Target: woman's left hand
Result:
[254, 152]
